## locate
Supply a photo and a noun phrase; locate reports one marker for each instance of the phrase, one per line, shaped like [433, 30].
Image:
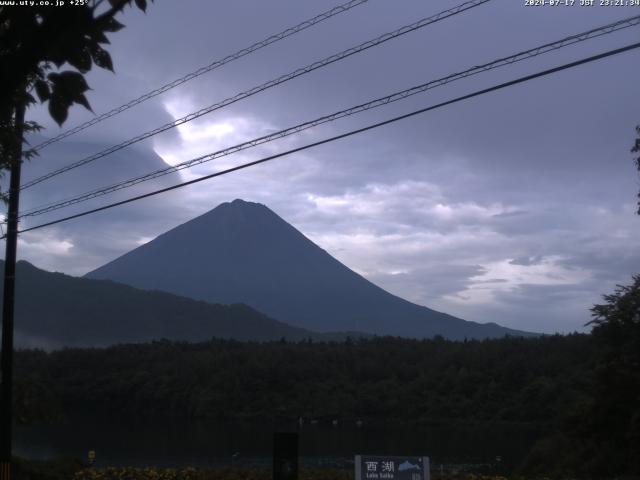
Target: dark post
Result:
[8, 302]
[285, 456]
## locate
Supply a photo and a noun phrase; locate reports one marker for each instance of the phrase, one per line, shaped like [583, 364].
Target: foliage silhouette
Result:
[35, 43]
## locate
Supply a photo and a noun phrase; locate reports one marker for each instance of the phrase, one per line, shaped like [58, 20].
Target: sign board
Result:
[380, 467]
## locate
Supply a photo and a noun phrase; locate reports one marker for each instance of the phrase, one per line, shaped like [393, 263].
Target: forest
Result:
[583, 390]
[550, 382]
[392, 379]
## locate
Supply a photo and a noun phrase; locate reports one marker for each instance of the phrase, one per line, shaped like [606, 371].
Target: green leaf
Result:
[142, 5]
[42, 89]
[82, 100]
[68, 83]
[101, 57]
[68, 88]
[112, 25]
[31, 126]
[99, 37]
[28, 98]
[58, 110]
[80, 59]
[57, 56]
[118, 3]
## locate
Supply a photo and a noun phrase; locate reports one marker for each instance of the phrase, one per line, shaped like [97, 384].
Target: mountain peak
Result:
[235, 225]
[240, 203]
[243, 252]
[231, 211]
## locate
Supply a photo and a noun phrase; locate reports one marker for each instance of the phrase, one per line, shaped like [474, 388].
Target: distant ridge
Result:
[54, 310]
[242, 252]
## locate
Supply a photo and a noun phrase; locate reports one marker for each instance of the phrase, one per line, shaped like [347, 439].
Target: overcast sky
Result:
[515, 207]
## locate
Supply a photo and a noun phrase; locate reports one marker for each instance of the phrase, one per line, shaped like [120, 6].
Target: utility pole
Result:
[6, 367]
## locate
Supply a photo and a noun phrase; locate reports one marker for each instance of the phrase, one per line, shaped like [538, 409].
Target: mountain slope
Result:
[54, 310]
[242, 252]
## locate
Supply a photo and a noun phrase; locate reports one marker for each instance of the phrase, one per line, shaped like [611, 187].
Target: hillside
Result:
[54, 310]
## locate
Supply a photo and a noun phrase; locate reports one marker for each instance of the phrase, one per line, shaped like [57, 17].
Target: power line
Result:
[580, 37]
[201, 71]
[344, 135]
[593, 33]
[260, 88]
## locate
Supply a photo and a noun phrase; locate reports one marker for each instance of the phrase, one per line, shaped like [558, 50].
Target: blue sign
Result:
[377, 467]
